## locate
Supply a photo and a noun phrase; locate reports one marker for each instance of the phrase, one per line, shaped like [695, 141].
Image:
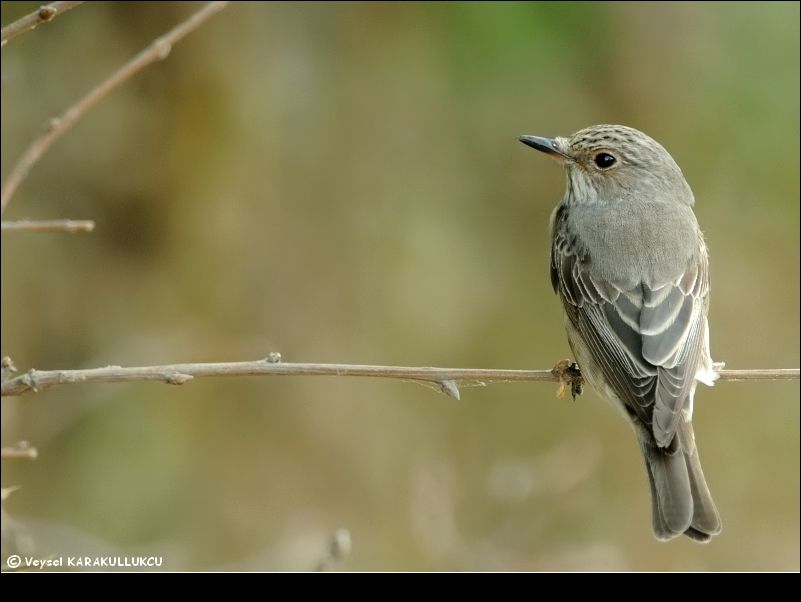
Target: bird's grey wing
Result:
[673, 330]
[646, 340]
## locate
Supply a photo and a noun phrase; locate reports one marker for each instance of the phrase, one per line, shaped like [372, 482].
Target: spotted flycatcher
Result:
[629, 263]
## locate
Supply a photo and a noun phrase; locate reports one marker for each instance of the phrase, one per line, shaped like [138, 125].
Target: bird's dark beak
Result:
[547, 146]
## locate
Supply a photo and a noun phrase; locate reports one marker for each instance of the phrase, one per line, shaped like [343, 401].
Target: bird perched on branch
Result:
[630, 266]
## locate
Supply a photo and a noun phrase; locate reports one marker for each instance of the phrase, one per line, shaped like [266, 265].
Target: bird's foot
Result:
[569, 374]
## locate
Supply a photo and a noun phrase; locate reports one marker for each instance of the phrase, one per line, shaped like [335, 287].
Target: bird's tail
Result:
[680, 499]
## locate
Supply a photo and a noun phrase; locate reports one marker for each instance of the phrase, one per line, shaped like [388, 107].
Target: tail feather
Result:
[660, 527]
[680, 499]
[706, 519]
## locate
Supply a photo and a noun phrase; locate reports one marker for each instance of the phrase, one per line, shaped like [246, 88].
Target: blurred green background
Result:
[341, 182]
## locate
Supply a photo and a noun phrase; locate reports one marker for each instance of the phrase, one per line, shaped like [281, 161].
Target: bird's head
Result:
[614, 163]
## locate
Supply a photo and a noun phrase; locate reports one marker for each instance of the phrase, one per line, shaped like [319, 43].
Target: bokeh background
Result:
[340, 182]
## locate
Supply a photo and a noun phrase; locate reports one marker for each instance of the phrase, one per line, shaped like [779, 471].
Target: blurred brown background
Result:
[342, 183]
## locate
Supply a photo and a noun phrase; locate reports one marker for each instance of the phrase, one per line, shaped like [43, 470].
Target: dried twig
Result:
[19, 451]
[70, 226]
[760, 374]
[8, 368]
[158, 50]
[43, 14]
[443, 379]
[338, 549]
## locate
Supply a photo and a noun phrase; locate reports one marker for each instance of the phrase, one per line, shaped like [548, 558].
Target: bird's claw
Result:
[569, 374]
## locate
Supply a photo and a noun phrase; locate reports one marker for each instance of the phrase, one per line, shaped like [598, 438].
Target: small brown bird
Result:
[629, 263]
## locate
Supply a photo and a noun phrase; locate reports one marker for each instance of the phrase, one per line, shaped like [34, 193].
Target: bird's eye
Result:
[604, 160]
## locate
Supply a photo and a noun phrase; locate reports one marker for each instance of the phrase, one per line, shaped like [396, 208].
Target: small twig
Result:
[43, 14]
[8, 368]
[339, 547]
[178, 374]
[70, 226]
[766, 374]
[6, 492]
[19, 451]
[158, 50]
[450, 388]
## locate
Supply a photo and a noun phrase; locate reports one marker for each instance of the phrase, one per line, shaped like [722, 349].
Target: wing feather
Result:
[647, 340]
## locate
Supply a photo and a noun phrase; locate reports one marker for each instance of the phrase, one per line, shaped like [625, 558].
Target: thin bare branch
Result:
[19, 451]
[443, 379]
[158, 50]
[765, 374]
[338, 550]
[70, 226]
[43, 14]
